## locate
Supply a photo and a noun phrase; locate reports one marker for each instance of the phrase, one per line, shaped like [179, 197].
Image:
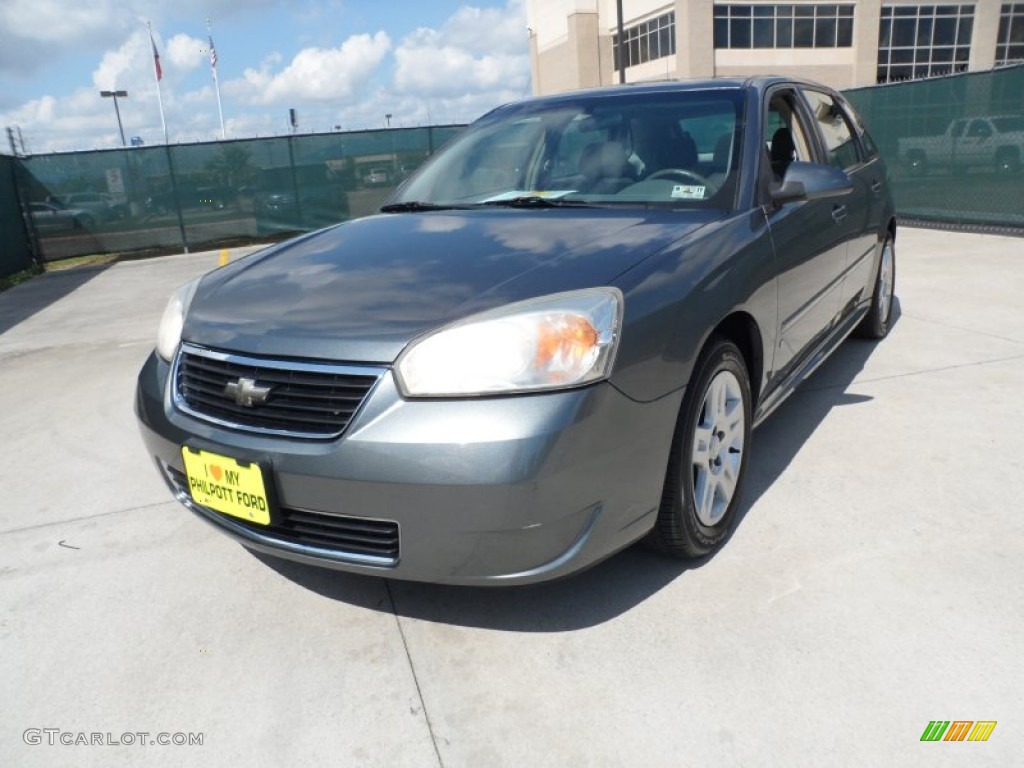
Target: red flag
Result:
[156, 59]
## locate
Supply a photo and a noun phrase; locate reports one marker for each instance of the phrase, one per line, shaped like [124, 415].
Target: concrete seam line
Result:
[87, 517]
[415, 677]
[961, 328]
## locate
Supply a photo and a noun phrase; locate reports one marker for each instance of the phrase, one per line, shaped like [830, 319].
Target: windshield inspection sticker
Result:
[688, 192]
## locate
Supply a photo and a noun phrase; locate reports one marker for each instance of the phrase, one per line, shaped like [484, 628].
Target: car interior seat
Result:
[605, 167]
[782, 152]
[720, 161]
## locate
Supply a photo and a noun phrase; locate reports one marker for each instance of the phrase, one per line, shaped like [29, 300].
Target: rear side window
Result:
[835, 129]
[868, 143]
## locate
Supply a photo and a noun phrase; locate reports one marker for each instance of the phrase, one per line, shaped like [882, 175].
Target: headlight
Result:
[169, 335]
[555, 342]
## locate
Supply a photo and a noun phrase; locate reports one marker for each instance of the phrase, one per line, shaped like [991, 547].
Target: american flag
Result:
[213, 54]
[156, 59]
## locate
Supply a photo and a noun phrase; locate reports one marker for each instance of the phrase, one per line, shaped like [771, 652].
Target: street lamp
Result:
[388, 118]
[115, 95]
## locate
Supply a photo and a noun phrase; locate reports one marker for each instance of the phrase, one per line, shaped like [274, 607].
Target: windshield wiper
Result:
[536, 201]
[415, 205]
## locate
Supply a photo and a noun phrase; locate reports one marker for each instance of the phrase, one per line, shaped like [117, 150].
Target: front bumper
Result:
[508, 490]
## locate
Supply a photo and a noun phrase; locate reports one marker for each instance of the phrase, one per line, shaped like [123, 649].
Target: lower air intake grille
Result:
[287, 398]
[343, 535]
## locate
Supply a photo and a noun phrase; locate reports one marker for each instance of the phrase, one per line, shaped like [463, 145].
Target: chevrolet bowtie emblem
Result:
[247, 392]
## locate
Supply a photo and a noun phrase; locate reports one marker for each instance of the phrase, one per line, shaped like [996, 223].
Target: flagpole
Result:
[156, 79]
[216, 80]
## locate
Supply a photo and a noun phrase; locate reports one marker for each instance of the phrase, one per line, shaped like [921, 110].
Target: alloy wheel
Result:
[718, 443]
[885, 283]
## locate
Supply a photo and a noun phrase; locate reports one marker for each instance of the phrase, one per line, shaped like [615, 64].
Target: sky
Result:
[337, 62]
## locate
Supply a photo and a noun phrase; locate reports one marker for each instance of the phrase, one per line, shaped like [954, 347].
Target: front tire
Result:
[708, 458]
[878, 320]
[917, 163]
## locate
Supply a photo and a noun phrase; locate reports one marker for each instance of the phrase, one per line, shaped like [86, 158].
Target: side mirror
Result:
[811, 181]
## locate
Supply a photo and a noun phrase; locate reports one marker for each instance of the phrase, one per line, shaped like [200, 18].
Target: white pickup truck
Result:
[995, 143]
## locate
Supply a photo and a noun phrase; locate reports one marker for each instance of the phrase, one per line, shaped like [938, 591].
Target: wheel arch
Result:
[742, 329]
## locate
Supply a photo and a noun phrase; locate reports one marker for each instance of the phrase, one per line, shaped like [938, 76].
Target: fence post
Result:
[35, 245]
[295, 184]
[177, 200]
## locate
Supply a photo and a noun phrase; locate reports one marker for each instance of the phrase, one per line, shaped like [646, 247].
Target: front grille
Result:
[305, 399]
[356, 536]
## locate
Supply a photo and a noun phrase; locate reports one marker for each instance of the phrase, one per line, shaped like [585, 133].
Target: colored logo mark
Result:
[958, 730]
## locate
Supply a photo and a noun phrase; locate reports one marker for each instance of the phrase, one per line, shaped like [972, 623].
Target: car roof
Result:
[756, 83]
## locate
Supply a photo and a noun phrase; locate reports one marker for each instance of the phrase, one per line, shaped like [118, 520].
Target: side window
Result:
[870, 148]
[979, 130]
[785, 139]
[835, 129]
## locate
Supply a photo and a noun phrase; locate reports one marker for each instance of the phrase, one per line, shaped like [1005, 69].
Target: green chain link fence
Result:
[15, 246]
[954, 146]
[193, 196]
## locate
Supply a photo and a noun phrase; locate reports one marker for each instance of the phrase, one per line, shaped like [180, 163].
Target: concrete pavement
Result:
[873, 584]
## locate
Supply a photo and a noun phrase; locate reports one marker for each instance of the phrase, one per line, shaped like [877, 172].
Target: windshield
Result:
[666, 149]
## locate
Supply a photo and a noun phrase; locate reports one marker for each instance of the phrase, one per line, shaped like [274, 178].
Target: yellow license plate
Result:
[227, 485]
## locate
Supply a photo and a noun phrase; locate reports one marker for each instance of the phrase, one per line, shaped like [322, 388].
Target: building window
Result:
[646, 41]
[783, 26]
[1010, 44]
[923, 41]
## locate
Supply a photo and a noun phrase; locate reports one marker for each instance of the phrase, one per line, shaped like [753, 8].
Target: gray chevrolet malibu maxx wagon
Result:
[552, 341]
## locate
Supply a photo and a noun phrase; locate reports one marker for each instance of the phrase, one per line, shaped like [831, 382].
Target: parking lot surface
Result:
[875, 581]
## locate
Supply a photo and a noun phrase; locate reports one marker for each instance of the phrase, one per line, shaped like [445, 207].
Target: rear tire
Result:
[707, 463]
[878, 320]
[1007, 162]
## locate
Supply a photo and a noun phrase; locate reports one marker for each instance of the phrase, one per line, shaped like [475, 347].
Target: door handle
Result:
[876, 186]
[839, 213]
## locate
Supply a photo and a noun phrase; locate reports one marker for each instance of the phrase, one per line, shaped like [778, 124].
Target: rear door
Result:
[853, 214]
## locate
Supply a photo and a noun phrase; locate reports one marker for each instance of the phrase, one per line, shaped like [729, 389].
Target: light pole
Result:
[115, 95]
[622, 41]
[388, 118]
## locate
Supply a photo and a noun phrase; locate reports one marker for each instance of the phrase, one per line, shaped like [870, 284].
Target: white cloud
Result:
[476, 50]
[473, 61]
[186, 52]
[314, 74]
[493, 30]
[82, 119]
[451, 71]
[120, 65]
[57, 21]
[30, 28]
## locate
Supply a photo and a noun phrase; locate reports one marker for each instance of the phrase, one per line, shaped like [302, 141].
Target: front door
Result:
[808, 237]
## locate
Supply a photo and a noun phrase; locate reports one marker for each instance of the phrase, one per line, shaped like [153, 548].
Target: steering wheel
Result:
[693, 176]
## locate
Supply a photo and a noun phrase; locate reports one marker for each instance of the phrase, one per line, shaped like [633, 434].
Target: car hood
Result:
[362, 290]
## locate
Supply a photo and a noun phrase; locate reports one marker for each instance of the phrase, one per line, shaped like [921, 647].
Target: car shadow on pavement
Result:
[25, 300]
[624, 580]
